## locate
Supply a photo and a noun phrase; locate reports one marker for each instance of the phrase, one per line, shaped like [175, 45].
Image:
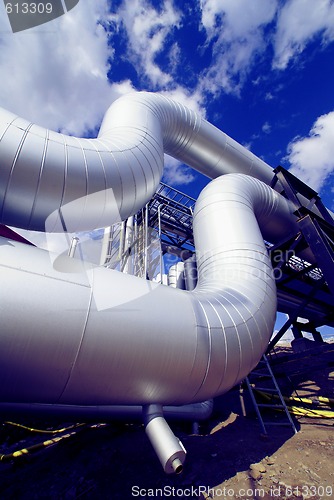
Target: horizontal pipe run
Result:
[192, 412]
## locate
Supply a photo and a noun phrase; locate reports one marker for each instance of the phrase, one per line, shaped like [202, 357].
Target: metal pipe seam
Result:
[162, 345]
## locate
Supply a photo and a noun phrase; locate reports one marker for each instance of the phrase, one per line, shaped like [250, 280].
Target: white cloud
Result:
[312, 158]
[174, 57]
[269, 96]
[176, 173]
[57, 76]
[299, 21]
[247, 145]
[237, 28]
[192, 100]
[239, 17]
[147, 30]
[266, 128]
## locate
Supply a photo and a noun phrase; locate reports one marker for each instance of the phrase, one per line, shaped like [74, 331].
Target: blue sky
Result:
[262, 71]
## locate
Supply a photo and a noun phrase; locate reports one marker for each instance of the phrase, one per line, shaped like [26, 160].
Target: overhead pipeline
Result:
[208, 339]
[53, 182]
[77, 335]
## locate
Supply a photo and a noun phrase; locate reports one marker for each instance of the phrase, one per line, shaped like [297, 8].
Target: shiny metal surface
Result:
[148, 343]
[167, 446]
[175, 276]
[77, 339]
[75, 334]
[41, 170]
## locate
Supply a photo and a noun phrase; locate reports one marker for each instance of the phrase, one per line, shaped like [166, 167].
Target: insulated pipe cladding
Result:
[70, 330]
[162, 345]
[168, 447]
[97, 181]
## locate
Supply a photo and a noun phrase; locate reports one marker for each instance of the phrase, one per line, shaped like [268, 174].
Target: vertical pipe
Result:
[159, 235]
[105, 245]
[136, 248]
[127, 263]
[145, 240]
[167, 446]
[176, 276]
[73, 246]
[190, 273]
[121, 242]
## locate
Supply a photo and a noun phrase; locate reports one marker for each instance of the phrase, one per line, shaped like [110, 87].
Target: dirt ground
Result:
[228, 458]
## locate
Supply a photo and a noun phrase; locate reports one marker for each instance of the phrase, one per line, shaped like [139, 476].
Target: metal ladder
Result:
[276, 401]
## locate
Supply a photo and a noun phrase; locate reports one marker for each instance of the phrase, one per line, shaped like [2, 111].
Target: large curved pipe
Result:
[110, 178]
[123, 340]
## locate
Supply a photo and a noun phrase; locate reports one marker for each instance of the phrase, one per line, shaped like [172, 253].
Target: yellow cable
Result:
[302, 412]
[42, 431]
[319, 400]
[305, 412]
[38, 446]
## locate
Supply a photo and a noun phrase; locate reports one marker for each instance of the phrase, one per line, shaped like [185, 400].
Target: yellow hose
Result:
[38, 446]
[303, 412]
[319, 400]
[42, 431]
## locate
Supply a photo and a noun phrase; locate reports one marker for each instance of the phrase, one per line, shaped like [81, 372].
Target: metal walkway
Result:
[171, 213]
[303, 289]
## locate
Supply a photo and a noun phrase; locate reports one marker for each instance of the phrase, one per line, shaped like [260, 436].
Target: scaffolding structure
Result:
[164, 226]
[305, 290]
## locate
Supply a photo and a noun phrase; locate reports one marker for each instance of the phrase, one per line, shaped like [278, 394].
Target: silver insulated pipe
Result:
[52, 182]
[162, 344]
[77, 335]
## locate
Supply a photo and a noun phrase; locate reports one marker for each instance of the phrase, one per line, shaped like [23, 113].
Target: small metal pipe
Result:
[105, 245]
[146, 241]
[121, 241]
[159, 235]
[176, 276]
[167, 446]
[73, 246]
[126, 259]
[190, 273]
